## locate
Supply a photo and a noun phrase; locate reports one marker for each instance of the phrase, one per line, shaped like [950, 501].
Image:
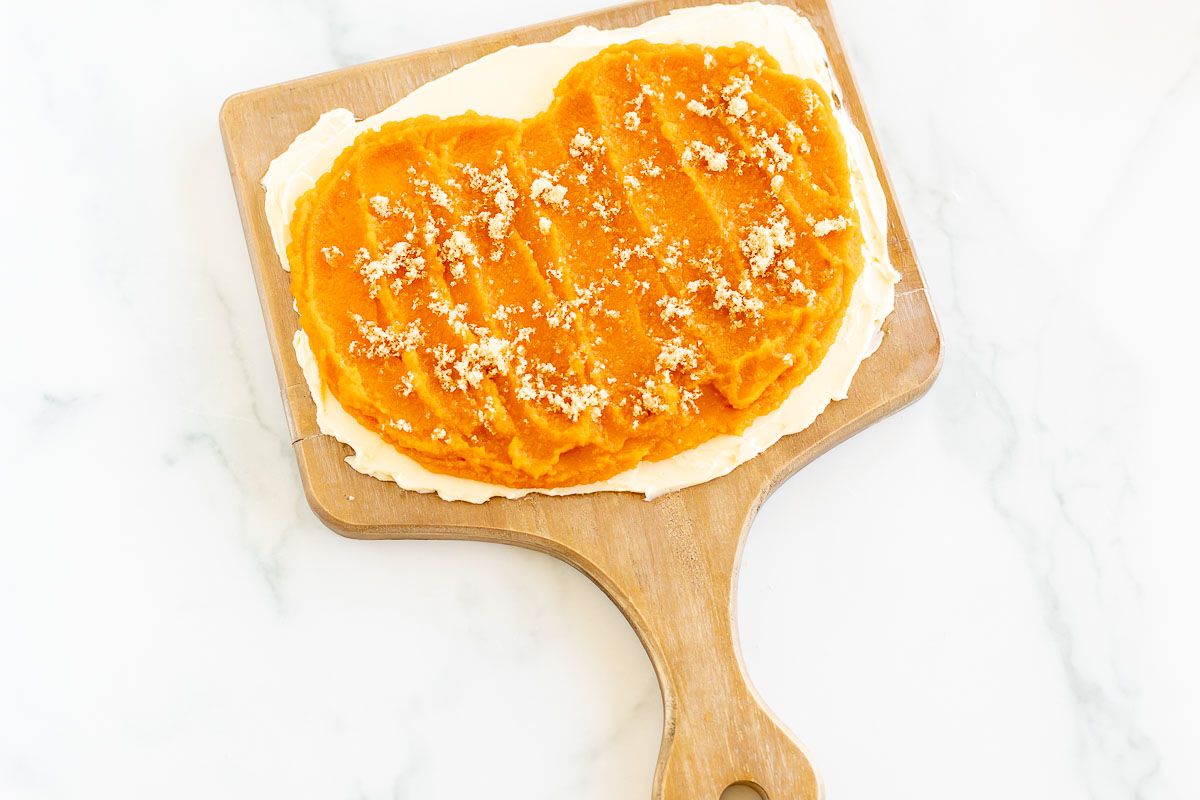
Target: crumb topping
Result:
[714, 160]
[402, 260]
[390, 342]
[544, 190]
[585, 144]
[497, 187]
[824, 227]
[734, 94]
[762, 243]
[455, 250]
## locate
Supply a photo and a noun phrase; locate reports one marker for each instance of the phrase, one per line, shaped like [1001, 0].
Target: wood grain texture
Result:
[669, 564]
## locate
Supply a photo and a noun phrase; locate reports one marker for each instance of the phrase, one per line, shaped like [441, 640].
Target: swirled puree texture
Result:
[651, 263]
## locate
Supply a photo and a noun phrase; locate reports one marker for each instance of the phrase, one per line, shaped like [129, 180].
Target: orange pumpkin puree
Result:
[658, 258]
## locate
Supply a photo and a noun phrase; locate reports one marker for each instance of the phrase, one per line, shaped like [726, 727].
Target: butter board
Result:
[669, 564]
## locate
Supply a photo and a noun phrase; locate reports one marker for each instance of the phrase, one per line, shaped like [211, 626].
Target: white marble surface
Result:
[990, 595]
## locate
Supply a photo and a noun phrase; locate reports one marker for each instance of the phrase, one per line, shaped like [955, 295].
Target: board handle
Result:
[717, 731]
[672, 572]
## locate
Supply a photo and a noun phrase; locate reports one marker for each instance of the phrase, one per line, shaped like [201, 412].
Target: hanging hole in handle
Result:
[743, 791]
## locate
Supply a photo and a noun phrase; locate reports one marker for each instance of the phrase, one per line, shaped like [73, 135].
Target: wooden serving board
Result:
[669, 564]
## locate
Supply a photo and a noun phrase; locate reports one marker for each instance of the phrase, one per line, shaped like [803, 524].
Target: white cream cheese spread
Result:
[518, 82]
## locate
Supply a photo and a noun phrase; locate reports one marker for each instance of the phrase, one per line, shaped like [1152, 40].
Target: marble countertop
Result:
[988, 595]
